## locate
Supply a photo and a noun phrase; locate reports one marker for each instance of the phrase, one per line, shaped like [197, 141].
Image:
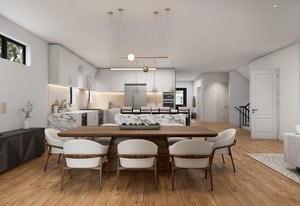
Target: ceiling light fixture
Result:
[110, 13]
[275, 5]
[133, 69]
[131, 57]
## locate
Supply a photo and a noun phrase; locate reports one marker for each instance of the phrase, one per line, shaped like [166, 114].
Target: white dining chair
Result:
[223, 144]
[192, 154]
[84, 154]
[297, 128]
[137, 154]
[54, 144]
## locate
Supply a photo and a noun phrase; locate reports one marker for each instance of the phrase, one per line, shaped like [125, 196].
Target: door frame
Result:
[277, 69]
[184, 97]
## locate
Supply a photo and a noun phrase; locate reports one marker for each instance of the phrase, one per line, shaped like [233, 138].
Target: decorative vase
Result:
[26, 124]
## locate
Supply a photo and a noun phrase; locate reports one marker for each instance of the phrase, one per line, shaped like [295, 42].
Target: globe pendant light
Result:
[130, 57]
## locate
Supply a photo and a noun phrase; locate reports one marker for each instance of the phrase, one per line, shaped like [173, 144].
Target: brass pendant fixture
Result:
[145, 69]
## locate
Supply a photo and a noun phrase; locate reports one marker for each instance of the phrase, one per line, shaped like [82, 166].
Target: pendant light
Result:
[110, 13]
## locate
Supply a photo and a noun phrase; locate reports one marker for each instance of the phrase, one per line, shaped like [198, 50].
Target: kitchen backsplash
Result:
[103, 100]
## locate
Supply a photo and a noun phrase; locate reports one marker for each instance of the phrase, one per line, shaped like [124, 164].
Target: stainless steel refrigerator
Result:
[135, 95]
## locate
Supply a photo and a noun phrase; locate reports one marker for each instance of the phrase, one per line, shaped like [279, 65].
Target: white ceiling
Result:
[203, 35]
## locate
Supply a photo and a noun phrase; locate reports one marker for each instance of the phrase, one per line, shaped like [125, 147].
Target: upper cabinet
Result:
[113, 81]
[68, 69]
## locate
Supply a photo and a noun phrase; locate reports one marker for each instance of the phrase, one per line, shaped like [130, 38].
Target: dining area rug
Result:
[275, 161]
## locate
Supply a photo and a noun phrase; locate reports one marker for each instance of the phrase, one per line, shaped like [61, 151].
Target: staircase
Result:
[244, 119]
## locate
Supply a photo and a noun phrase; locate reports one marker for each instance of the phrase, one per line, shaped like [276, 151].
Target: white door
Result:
[199, 102]
[222, 101]
[264, 104]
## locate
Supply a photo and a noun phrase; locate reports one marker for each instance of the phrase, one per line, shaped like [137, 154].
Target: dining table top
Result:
[114, 131]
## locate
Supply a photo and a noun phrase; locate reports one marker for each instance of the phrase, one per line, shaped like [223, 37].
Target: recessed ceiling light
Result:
[275, 5]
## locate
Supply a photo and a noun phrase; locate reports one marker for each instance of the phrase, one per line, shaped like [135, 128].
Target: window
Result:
[12, 50]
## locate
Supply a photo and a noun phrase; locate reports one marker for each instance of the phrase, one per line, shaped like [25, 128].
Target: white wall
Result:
[19, 83]
[189, 85]
[287, 61]
[211, 83]
[238, 95]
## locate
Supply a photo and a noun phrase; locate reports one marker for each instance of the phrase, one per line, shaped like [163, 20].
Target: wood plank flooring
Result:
[252, 184]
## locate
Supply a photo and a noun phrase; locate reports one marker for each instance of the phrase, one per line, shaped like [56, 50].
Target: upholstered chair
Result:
[223, 144]
[192, 154]
[54, 144]
[84, 154]
[291, 152]
[137, 154]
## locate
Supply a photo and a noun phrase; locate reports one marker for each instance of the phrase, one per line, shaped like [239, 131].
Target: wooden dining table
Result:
[159, 137]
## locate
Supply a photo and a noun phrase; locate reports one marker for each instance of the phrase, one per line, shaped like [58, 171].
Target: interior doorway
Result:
[181, 97]
[199, 90]
[222, 102]
[264, 103]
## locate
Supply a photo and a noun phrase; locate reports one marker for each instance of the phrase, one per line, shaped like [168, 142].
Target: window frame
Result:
[4, 41]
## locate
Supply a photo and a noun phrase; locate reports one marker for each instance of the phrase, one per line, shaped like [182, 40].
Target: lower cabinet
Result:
[18, 146]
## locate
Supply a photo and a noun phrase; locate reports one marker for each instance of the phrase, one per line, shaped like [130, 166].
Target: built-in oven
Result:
[168, 99]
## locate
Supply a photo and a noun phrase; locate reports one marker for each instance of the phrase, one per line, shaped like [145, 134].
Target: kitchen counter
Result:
[67, 120]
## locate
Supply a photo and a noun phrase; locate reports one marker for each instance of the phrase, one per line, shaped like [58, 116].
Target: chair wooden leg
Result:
[62, 179]
[48, 155]
[58, 158]
[118, 176]
[155, 174]
[173, 177]
[223, 158]
[205, 174]
[70, 173]
[108, 168]
[211, 180]
[100, 177]
[168, 168]
[230, 154]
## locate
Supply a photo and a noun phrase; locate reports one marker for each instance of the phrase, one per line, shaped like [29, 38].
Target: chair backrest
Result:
[191, 148]
[53, 139]
[227, 138]
[297, 128]
[83, 147]
[221, 135]
[137, 147]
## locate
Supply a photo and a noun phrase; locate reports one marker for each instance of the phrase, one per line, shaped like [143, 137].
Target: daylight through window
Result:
[12, 50]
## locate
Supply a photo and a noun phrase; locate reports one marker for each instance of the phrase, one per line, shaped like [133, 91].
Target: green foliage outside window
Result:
[14, 52]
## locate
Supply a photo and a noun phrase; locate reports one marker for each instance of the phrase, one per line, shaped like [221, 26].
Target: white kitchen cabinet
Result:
[62, 67]
[68, 69]
[165, 80]
[90, 82]
[113, 81]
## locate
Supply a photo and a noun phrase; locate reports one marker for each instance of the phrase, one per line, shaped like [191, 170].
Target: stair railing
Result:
[244, 118]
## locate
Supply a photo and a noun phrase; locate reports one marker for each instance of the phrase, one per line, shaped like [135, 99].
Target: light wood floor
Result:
[252, 184]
